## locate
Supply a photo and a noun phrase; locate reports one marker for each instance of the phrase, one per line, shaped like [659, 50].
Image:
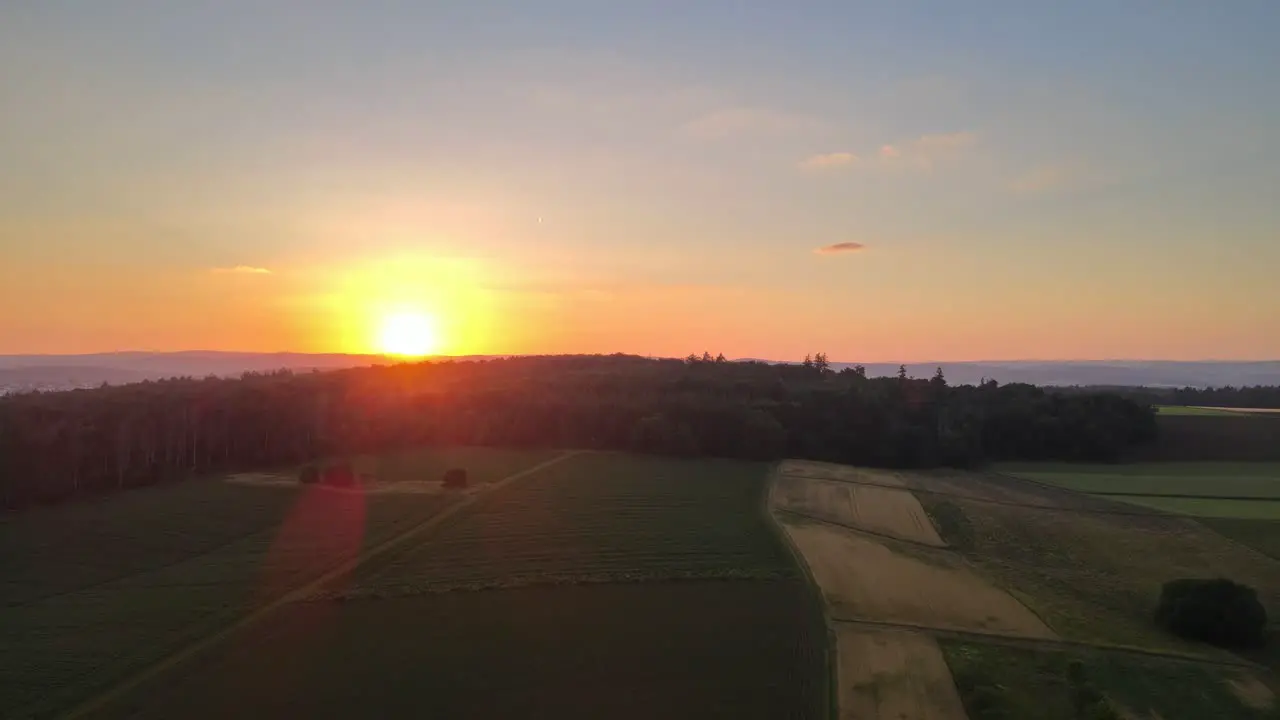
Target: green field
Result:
[91, 591]
[1092, 574]
[1210, 507]
[94, 592]
[1201, 411]
[1003, 682]
[1243, 490]
[600, 518]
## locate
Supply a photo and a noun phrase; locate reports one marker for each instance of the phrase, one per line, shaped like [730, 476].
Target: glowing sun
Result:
[411, 334]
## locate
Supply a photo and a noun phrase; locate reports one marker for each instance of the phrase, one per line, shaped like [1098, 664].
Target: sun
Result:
[411, 334]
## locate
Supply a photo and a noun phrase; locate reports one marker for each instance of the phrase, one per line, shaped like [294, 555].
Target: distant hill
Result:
[65, 372]
[62, 372]
[1128, 373]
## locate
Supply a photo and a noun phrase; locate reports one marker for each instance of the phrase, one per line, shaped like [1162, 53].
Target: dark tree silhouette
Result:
[55, 446]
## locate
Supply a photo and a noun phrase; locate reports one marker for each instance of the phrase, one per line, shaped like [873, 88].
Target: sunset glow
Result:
[648, 190]
[409, 334]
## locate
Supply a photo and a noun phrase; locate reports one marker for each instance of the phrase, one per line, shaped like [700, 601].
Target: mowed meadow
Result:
[557, 584]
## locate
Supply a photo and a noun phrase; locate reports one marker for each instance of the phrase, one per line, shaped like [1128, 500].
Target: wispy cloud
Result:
[946, 142]
[733, 122]
[241, 270]
[839, 248]
[888, 152]
[926, 151]
[1052, 177]
[827, 161]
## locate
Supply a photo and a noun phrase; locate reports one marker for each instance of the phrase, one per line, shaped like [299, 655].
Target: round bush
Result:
[1217, 611]
[455, 478]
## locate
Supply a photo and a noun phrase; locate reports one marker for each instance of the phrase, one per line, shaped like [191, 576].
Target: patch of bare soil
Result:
[893, 674]
[896, 513]
[866, 580]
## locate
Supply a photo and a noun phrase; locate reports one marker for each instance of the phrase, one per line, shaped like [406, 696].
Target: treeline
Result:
[1255, 396]
[55, 446]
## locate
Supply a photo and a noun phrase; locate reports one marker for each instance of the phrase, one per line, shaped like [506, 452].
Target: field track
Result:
[101, 700]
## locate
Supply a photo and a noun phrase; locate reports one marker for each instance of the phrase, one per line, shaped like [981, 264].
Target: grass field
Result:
[1241, 490]
[94, 592]
[1091, 574]
[600, 517]
[1211, 411]
[1003, 682]
[1194, 410]
[1261, 535]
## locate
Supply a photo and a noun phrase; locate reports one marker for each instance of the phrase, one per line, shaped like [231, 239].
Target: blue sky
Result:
[1025, 179]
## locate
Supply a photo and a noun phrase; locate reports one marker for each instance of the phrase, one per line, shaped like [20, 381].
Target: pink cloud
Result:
[839, 248]
[828, 160]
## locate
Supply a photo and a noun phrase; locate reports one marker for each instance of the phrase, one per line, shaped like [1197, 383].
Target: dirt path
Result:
[118, 690]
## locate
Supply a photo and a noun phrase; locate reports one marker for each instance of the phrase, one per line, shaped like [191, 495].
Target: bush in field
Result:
[455, 478]
[309, 475]
[660, 435]
[1217, 611]
[340, 474]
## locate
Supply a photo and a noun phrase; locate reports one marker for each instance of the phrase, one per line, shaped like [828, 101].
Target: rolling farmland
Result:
[597, 585]
[1039, 591]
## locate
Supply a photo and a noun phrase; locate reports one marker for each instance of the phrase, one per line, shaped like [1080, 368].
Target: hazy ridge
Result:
[61, 372]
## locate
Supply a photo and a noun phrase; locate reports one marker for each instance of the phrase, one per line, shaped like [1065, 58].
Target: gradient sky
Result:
[1007, 179]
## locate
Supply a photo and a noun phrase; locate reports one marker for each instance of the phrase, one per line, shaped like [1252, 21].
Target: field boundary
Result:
[1139, 511]
[301, 592]
[1044, 643]
[829, 654]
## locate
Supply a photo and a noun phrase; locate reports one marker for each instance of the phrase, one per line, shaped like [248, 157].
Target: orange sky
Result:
[615, 180]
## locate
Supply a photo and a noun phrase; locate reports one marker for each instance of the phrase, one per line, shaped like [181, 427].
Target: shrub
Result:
[1216, 611]
[455, 478]
[340, 474]
[309, 475]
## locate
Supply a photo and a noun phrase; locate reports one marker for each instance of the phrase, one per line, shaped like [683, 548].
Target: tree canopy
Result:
[55, 446]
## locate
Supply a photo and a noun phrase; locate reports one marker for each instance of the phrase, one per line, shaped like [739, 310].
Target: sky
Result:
[880, 181]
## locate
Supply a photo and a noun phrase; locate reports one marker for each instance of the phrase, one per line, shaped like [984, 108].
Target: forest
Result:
[1250, 396]
[60, 445]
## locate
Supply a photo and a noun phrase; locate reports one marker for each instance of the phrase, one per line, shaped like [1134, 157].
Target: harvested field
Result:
[865, 580]
[884, 511]
[894, 674]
